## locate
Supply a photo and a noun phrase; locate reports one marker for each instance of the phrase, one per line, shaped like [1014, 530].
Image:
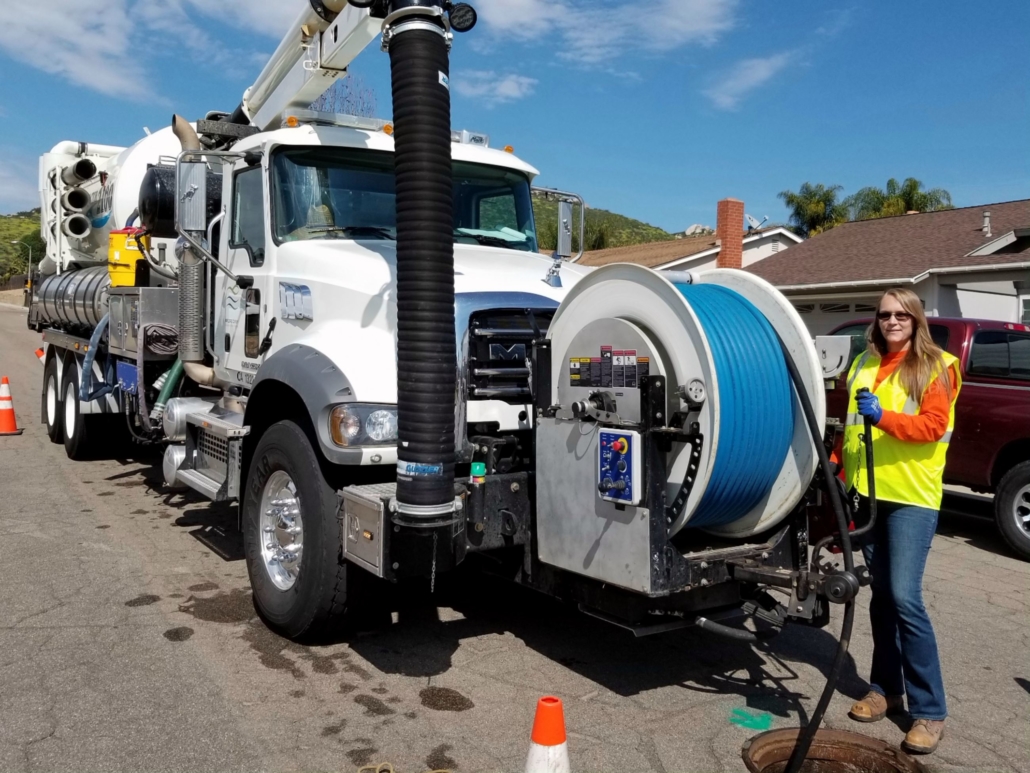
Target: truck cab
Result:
[310, 217]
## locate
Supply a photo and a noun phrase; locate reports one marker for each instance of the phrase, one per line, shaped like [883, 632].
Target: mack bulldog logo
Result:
[516, 352]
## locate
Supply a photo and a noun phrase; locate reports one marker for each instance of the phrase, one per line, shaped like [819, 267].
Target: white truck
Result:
[345, 325]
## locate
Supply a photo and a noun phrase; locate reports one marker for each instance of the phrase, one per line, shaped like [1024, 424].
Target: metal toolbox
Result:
[364, 517]
[132, 308]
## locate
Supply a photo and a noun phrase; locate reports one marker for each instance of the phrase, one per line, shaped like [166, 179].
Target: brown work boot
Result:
[874, 707]
[924, 736]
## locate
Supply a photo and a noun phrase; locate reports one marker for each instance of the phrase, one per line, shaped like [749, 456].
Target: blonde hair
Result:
[924, 363]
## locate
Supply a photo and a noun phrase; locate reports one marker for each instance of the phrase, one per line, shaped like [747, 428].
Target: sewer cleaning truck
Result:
[344, 325]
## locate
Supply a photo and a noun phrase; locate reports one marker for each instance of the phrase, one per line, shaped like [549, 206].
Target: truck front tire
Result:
[291, 536]
[1012, 509]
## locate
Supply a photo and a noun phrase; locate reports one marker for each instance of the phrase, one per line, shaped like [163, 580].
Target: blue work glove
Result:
[869, 405]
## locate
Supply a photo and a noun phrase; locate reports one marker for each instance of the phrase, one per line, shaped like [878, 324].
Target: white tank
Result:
[111, 201]
[120, 193]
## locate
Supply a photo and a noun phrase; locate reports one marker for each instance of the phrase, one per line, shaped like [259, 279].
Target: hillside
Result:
[23, 226]
[603, 228]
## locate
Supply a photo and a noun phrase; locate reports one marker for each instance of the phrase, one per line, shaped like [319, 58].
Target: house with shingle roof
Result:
[970, 262]
[730, 245]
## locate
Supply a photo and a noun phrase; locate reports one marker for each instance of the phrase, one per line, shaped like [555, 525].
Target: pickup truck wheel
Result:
[1012, 509]
[292, 536]
[52, 404]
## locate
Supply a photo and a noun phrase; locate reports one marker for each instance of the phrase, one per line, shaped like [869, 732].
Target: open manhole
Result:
[833, 751]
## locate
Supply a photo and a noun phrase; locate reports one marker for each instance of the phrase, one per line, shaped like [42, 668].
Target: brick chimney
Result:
[729, 231]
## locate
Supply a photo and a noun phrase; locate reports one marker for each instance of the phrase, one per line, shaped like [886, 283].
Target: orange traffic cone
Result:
[8, 424]
[41, 355]
[548, 749]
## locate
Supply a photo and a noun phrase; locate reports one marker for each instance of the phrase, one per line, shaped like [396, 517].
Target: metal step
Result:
[202, 484]
[220, 422]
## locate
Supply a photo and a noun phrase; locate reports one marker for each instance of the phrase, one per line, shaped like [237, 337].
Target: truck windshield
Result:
[339, 193]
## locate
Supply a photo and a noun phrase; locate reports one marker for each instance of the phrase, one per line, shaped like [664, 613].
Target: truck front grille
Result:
[500, 346]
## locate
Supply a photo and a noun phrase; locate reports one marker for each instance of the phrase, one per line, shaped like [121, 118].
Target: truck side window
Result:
[1000, 354]
[248, 214]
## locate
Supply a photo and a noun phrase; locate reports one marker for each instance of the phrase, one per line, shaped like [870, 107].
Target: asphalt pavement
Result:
[129, 642]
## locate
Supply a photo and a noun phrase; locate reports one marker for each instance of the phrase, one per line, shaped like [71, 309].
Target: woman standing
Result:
[907, 386]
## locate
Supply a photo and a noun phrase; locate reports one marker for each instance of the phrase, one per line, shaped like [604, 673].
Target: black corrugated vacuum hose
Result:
[425, 268]
[805, 736]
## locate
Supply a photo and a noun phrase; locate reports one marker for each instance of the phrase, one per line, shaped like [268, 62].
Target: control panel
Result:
[618, 466]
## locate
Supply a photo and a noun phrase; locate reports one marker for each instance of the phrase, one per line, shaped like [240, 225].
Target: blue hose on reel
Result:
[756, 403]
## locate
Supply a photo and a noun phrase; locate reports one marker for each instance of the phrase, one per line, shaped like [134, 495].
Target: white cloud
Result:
[744, 77]
[17, 183]
[108, 45]
[599, 32]
[491, 88]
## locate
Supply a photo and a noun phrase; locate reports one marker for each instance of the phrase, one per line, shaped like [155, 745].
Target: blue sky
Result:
[655, 110]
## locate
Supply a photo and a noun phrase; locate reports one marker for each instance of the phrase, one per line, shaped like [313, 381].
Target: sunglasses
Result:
[901, 316]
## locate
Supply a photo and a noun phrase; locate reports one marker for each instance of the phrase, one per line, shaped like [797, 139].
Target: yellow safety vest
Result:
[906, 473]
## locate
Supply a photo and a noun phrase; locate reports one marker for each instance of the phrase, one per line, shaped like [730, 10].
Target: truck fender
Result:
[318, 382]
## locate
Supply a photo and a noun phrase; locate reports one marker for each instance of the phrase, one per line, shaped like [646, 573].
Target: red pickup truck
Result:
[990, 450]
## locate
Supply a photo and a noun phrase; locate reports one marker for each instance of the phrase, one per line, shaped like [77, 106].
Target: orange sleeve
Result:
[930, 424]
[837, 454]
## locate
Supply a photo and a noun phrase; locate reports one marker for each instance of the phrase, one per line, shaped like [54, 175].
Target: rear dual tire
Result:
[86, 436]
[52, 403]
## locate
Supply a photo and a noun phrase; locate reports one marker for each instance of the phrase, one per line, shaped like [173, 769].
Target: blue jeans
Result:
[905, 659]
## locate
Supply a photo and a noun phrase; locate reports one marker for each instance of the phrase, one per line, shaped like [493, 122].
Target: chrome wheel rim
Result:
[51, 400]
[282, 530]
[1021, 508]
[70, 400]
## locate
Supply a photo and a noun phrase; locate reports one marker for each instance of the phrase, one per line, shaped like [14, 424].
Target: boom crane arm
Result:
[319, 46]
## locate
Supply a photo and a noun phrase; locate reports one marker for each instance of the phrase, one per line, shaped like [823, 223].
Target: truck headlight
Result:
[381, 426]
[358, 424]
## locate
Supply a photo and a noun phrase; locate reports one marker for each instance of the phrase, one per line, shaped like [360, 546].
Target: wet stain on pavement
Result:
[144, 600]
[236, 606]
[138, 512]
[165, 516]
[411, 714]
[331, 730]
[270, 648]
[362, 755]
[373, 706]
[347, 688]
[182, 633]
[296, 693]
[128, 483]
[175, 595]
[438, 759]
[106, 494]
[325, 664]
[200, 587]
[103, 526]
[350, 668]
[380, 690]
[393, 699]
[444, 699]
[85, 511]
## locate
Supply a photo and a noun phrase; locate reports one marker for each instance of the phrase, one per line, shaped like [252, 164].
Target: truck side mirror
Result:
[564, 247]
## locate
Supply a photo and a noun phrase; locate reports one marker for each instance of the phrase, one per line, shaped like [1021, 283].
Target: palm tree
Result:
[896, 199]
[814, 208]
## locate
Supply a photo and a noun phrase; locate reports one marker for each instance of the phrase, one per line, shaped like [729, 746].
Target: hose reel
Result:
[715, 336]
